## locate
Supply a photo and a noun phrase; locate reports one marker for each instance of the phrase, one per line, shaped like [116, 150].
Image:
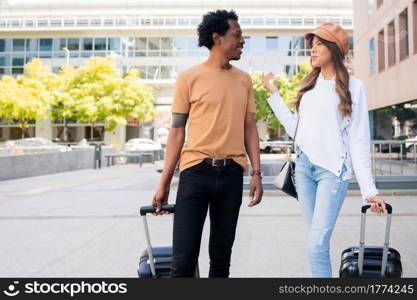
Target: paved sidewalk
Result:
[85, 224]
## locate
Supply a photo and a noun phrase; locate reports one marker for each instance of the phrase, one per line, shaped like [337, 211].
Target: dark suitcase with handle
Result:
[371, 261]
[155, 262]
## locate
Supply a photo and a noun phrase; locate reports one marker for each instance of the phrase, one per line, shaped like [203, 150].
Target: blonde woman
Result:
[332, 140]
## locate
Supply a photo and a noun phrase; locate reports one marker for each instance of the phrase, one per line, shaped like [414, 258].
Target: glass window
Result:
[371, 6]
[2, 45]
[142, 70]
[381, 50]
[140, 46]
[258, 42]
[291, 70]
[128, 45]
[18, 62]
[414, 27]
[192, 42]
[153, 72]
[45, 45]
[180, 46]
[58, 46]
[298, 42]
[247, 43]
[18, 65]
[178, 69]
[17, 71]
[62, 43]
[87, 47]
[31, 44]
[391, 43]
[257, 68]
[192, 47]
[403, 27]
[166, 43]
[284, 45]
[2, 61]
[31, 55]
[271, 43]
[114, 44]
[276, 68]
[88, 44]
[372, 62]
[351, 43]
[153, 46]
[18, 45]
[100, 44]
[166, 46]
[153, 43]
[298, 45]
[166, 72]
[73, 44]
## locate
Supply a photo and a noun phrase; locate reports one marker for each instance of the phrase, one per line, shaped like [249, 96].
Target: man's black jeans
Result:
[201, 187]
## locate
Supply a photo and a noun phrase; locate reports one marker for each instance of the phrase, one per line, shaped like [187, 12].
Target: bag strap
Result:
[295, 134]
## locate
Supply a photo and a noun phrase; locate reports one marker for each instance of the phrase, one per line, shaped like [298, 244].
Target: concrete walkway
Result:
[85, 224]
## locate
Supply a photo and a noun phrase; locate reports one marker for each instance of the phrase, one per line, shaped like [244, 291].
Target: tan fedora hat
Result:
[333, 33]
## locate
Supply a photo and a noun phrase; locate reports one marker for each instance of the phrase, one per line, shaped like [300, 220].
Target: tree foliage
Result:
[288, 88]
[26, 98]
[92, 93]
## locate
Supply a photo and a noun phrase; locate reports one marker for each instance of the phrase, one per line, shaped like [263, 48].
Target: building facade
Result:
[159, 38]
[386, 60]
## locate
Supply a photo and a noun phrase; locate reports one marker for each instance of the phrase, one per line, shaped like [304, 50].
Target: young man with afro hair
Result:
[215, 100]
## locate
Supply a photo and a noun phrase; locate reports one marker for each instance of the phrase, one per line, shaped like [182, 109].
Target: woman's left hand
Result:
[377, 204]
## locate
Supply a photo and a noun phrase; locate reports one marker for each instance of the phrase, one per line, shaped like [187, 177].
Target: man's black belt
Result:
[219, 162]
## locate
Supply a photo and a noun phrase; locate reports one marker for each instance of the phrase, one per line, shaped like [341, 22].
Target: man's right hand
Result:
[160, 198]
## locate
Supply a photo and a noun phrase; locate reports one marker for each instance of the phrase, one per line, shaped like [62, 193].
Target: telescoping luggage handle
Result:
[144, 210]
[362, 239]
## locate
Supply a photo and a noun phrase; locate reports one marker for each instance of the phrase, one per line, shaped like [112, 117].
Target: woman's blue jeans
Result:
[321, 195]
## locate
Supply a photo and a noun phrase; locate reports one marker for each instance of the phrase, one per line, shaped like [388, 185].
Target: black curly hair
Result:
[216, 21]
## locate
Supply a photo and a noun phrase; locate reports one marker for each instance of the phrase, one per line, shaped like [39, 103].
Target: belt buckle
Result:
[218, 159]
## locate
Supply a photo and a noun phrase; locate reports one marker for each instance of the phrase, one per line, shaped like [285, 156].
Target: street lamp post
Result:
[67, 54]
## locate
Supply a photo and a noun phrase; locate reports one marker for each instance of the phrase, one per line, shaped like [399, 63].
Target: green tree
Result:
[97, 93]
[288, 88]
[26, 98]
[63, 105]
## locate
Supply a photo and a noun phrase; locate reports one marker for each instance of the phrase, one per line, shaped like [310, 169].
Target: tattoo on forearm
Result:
[179, 120]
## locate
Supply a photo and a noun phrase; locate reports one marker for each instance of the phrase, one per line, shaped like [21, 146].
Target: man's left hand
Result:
[255, 190]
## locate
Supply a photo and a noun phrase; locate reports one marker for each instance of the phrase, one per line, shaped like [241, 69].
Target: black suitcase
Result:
[155, 262]
[371, 261]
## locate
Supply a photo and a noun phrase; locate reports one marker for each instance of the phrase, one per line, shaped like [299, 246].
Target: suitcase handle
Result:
[368, 206]
[362, 239]
[144, 210]
[152, 209]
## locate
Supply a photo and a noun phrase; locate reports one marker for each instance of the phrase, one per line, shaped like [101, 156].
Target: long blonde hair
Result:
[342, 79]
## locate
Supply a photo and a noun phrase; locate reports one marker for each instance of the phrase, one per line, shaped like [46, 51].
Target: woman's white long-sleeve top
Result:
[328, 139]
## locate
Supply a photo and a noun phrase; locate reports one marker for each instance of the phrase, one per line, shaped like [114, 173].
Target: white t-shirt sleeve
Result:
[359, 144]
[283, 114]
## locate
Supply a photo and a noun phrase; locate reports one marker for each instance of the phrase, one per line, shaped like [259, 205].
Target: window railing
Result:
[145, 53]
[394, 157]
[165, 21]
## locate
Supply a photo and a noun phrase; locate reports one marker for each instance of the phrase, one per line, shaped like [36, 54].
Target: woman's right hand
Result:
[266, 82]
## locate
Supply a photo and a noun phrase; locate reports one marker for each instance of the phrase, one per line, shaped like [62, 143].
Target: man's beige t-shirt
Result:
[217, 102]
